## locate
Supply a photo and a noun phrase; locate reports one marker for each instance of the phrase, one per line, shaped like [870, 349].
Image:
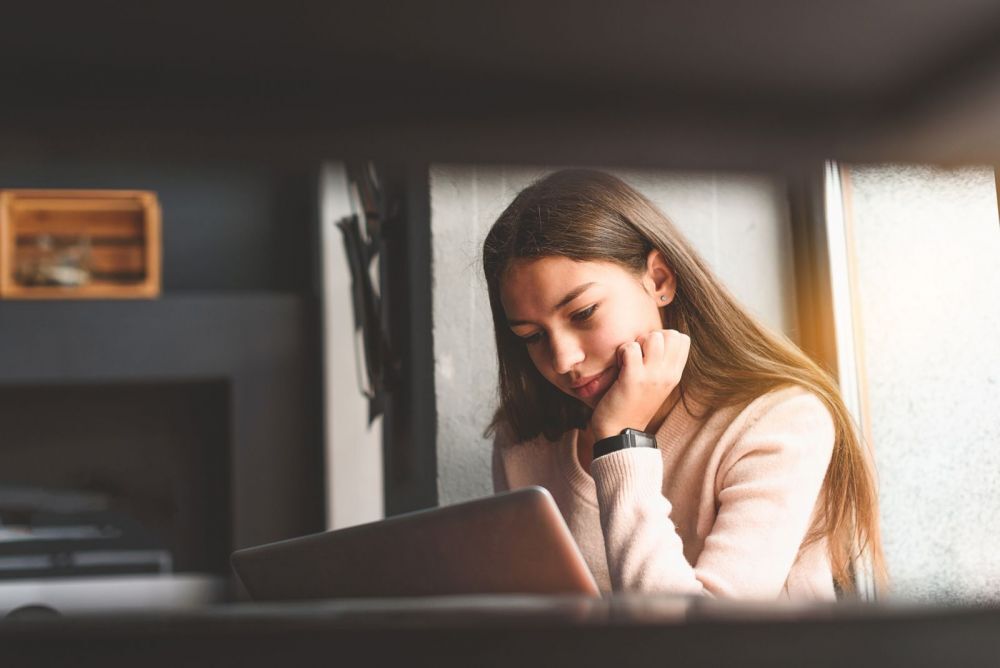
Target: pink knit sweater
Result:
[721, 508]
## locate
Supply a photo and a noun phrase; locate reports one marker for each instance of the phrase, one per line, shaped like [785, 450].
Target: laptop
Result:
[512, 543]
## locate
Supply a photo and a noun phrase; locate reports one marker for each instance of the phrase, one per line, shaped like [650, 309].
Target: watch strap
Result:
[628, 438]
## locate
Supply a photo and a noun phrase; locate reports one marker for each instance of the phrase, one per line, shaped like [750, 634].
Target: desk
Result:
[512, 631]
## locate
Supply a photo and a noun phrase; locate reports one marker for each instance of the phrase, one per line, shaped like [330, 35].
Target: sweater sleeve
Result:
[766, 488]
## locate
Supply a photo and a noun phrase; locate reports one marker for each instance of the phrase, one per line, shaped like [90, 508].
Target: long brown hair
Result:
[592, 216]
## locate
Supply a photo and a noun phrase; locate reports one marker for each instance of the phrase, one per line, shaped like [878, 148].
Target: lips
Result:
[592, 385]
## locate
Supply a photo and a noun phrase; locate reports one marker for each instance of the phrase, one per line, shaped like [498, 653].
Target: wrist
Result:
[626, 439]
[601, 431]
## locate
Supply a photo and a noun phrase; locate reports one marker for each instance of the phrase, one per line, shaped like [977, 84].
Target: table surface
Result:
[513, 630]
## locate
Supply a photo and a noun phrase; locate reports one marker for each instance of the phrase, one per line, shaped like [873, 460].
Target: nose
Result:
[566, 352]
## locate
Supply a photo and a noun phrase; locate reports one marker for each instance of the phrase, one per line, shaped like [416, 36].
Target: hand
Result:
[649, 369]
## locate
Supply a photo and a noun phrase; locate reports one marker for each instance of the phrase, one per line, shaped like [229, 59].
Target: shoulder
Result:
[790, 422]
[791, 405]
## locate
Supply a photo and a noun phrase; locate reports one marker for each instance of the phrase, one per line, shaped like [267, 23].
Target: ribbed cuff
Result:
[630, 473]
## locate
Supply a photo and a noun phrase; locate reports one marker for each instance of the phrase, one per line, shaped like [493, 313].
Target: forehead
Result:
[532, 287]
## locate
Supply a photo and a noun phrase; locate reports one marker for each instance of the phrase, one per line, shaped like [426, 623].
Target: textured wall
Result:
[928, 260]
[738, 222]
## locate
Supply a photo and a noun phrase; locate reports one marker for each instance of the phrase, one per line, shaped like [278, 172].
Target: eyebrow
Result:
[570, 296]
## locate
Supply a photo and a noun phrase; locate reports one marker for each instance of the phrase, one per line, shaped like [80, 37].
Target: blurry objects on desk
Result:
[55, 261]
[76, 244]
[48, 534]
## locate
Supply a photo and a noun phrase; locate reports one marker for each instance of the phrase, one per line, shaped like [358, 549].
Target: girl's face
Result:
[573, 316]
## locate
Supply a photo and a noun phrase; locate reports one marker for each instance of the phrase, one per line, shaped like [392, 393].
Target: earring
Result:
[663, 298]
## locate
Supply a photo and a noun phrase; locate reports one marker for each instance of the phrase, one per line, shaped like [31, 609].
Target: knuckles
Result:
[672, 340]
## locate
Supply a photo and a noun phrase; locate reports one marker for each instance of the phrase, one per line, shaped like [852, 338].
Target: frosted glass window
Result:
[927, 284]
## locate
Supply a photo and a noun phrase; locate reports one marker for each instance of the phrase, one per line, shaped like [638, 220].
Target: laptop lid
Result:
[514, 542]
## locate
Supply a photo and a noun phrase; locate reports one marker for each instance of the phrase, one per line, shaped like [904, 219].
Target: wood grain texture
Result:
[119, 231]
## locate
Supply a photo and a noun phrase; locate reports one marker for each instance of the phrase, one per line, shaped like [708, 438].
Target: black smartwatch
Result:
[629, 438]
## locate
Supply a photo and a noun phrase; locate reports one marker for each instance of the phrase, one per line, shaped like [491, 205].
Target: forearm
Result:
[766, 491]
[644, 551]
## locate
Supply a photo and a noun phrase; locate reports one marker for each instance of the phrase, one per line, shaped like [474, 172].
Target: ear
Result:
[659, 279]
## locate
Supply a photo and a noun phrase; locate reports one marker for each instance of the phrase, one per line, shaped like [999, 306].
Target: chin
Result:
[590, 402]
[572, 395]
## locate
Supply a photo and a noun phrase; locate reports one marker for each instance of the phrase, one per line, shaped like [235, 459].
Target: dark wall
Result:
[239, 309]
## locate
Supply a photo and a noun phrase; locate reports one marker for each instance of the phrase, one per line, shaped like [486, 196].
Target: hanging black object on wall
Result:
[367, 304]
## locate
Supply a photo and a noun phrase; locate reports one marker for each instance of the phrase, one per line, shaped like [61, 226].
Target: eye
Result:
[585, 314]
[534, 338]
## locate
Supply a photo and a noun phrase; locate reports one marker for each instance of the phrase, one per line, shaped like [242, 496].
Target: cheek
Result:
[604, 341]
[601, 342]
[623, 326]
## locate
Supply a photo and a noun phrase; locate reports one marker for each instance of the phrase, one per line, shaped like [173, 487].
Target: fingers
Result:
[649, 369]
[652, 346]
[662, 350]
[630, 355]
[675, 358]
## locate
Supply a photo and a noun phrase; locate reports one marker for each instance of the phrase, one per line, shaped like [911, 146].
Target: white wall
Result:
[738, 222]
[353, 449]
[927, 244]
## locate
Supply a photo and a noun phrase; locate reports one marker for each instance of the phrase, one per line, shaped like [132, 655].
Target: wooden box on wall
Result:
[79, 244]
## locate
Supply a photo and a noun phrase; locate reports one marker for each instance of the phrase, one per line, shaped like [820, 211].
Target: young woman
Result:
[690, 449]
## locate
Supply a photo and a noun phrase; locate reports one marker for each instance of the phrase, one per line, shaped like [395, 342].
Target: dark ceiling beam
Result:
[947, 113]
[202, 80]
